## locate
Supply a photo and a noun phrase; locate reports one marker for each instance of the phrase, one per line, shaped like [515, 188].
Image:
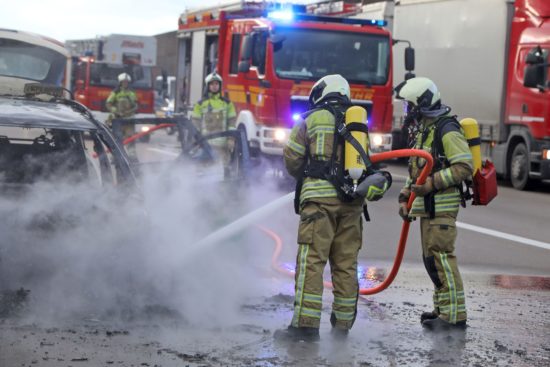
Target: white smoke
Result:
[100, 253]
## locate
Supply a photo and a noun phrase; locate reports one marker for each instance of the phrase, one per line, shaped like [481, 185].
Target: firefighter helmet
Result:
[422, 93]
[124, 76]
[329, 86]
[212, 78]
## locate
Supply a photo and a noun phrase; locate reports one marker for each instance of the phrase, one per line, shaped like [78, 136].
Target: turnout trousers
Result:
[438, 245]
[329, 230]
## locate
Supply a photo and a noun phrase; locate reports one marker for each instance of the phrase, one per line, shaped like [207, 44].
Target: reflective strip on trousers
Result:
[449, 277]
[304, 249]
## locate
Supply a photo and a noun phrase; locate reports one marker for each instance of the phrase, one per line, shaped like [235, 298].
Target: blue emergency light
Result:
[284, 15]
[331, 19]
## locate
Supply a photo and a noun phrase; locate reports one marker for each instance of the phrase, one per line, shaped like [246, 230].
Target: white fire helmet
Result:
[124, 76]
[330, 85]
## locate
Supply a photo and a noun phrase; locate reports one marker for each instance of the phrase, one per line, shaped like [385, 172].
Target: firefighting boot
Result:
[438, 324]
[428, 316]
[294, 334]
[339, 334]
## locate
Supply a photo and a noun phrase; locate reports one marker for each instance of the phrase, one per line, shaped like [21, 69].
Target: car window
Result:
[30, 155]
[24, 60]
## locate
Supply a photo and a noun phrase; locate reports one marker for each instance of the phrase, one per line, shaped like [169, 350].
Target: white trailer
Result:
[119, 49]
[461, 46]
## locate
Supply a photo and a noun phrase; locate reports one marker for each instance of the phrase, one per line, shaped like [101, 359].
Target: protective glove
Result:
[403, 211]
[403, 201]
[374, 186]
[424, 189]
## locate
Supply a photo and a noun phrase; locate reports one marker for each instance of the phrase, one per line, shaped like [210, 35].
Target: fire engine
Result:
[269, 55]
[99, 61]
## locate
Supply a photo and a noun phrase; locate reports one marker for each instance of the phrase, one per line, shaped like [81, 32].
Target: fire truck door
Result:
[197, 66]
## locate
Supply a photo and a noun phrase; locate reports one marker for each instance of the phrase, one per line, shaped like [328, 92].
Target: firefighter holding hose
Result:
[216, 113]
[334, 178]
[122, 103]
[438, 199]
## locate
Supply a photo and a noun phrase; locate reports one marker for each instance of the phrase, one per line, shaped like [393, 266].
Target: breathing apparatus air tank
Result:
[354, 166]
[471, 132]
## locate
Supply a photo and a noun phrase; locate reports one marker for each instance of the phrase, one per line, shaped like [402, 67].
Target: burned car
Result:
[54, 138]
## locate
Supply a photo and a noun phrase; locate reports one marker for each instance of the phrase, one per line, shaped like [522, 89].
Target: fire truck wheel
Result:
[519, 168]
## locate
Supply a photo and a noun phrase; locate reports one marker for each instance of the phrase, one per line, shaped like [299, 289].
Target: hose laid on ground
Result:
[375, 158]
[137, 136]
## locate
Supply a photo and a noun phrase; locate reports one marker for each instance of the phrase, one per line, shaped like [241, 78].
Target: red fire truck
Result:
[99, 61]
[270, 55]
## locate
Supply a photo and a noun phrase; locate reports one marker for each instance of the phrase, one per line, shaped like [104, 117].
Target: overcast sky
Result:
[76, 19]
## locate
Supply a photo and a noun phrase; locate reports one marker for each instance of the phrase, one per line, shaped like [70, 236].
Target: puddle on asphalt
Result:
[520, 282]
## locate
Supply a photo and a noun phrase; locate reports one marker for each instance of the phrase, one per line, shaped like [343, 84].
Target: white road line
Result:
[163, 152]
[399, 177]
[506, 236]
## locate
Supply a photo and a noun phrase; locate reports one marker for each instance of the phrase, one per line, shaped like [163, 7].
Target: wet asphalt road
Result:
[507, 285]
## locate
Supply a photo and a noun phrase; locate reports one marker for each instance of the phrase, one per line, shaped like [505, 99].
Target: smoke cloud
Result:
[97, 253]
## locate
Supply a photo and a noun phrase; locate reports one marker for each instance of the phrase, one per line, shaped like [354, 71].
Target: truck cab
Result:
[270, 58]
[280, 62]
[526, 157]
[99, 61]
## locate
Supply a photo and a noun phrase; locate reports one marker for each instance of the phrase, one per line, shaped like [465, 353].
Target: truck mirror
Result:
[409, 75]
[246, 48]
[534, 56]
[409, 58]
[276, 38]
[158, 83]
[100, 55]
[533, 76]
[244, 66]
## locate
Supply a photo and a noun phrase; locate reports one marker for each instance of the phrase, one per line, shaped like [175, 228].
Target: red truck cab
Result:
[269, 61]
[527, 116]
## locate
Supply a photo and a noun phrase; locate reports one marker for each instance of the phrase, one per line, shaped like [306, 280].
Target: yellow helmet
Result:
[329, 86]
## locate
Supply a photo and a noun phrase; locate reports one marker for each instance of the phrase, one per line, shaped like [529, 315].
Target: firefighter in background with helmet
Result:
[122, 103]
[216, 113]
[438, 199]
[330, 228]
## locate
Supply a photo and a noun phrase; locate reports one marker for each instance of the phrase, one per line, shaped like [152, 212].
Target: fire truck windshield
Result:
[307, 54]
[107, 75]
[24, 60]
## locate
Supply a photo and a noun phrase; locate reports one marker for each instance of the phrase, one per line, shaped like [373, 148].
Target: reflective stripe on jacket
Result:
[457, 152]
[214, 113]
[317, 133]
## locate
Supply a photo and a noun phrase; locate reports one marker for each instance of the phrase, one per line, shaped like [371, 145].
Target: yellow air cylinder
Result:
[353, 163]
[471, 131]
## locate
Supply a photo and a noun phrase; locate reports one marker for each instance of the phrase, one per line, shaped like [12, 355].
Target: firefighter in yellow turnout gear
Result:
[215, 113]
[438, 199]
[122, 103]
[330, 228]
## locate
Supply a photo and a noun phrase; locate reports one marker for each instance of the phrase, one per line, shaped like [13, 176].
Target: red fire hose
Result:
[136, 136]
[143, 133]
[375, 158]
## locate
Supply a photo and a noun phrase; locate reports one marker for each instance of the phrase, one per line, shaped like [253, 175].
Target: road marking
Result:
[162, 151]
[506, 236]
[399, 177]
